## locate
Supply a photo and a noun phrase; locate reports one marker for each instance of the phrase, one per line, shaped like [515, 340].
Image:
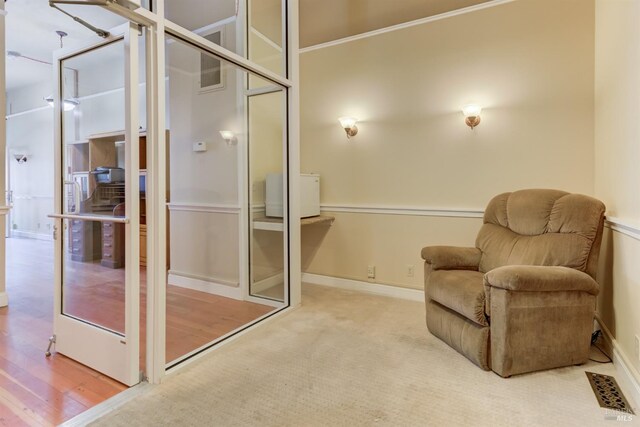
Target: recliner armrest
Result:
[531, 278]
[451, 257]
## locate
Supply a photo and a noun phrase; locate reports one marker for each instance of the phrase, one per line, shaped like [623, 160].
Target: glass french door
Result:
[98, 204]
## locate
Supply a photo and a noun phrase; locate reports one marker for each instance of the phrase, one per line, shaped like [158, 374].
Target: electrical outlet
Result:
[371, 272]
[410, 270]
[638, 347]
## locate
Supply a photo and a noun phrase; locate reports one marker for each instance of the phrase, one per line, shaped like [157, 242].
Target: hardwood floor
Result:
[35, 390]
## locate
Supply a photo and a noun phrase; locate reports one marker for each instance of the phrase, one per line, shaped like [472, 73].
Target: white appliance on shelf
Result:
[309, 195]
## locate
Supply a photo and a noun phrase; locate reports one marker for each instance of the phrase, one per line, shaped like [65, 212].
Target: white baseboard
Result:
[30, 235]
[4, 299]
[368, 287]
[208, 285]
[628, 375]
[269, 282]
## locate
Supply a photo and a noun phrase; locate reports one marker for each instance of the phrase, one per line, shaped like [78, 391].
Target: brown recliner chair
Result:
[524, 298]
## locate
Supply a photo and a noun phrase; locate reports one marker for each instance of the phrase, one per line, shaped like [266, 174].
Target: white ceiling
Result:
[30, 30]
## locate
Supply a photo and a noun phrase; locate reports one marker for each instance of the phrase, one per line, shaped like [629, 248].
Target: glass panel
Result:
[205, 17]
[266, 204]
[94, 184]
[264, 36]
[208, 294]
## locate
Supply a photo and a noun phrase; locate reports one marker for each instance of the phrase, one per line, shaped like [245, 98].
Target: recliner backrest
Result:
[541, 227]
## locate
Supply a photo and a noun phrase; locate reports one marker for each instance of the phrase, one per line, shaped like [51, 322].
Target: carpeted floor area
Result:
[347, 358]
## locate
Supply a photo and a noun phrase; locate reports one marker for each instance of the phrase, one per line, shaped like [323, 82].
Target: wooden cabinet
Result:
[113, 253]
[143, 245]
[84, 240]
[90, 241]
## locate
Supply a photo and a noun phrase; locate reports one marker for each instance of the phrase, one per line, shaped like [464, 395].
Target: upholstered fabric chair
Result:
[524, 298]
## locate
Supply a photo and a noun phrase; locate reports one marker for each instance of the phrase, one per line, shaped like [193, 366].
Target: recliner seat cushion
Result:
[461, 291]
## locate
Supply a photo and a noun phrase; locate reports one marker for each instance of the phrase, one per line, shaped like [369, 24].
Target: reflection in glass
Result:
[212, 121]
[267, 207]
[264, 33]
[94, 185]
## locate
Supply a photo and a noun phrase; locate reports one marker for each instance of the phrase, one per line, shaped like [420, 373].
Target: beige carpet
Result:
[350, 359]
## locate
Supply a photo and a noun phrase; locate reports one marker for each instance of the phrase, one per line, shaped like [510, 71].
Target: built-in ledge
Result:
[276, 224]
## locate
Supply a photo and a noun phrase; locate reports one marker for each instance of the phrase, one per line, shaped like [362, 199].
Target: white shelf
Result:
[276, 224]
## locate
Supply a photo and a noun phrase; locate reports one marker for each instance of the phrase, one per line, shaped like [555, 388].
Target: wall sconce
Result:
[349, 125]
[229, 136]
[69, 104]
[472, 115]
[20, 158]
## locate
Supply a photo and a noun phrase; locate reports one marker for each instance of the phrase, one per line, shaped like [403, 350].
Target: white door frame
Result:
[108, 352]
[156, 28]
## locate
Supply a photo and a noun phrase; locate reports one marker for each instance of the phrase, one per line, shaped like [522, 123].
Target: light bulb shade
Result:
[471, 110]
[68, 104]
[227, 135]
[347, 122]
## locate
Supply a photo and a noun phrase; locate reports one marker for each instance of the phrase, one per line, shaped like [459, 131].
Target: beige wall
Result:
[617, 176]
[329, 20]
[532, 73]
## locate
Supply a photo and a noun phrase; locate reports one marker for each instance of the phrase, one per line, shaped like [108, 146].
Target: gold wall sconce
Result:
[349, 126]
[472, 115]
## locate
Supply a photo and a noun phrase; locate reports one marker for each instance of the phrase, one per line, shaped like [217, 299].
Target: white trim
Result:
[205, 30]
[4, 299]
[210, 285]
[266, 39]
[108, 406]
[628, 374]
[625, 227]
[30, 235]
[269, 282]
[35, 196]
[204, 207]
[32, 110]
[404, 210]
[404, 25]
[367, 287]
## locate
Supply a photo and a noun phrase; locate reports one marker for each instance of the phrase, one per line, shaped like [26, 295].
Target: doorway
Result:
[156, 207]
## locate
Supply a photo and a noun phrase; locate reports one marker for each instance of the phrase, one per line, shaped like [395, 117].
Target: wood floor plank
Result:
[35, 390]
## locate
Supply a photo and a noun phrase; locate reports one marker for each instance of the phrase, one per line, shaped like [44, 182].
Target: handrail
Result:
[97, 218]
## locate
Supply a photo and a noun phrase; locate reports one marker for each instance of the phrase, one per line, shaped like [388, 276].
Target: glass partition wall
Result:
[218, 217]
[206, 252]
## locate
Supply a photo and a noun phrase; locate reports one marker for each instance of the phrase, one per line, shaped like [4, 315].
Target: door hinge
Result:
[55, 232]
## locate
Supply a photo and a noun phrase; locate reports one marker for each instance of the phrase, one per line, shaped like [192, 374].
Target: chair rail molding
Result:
[623, 226]
[404, 210]
[205, 207]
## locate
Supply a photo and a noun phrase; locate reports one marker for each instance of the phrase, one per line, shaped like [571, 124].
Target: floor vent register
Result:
[608, 393]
